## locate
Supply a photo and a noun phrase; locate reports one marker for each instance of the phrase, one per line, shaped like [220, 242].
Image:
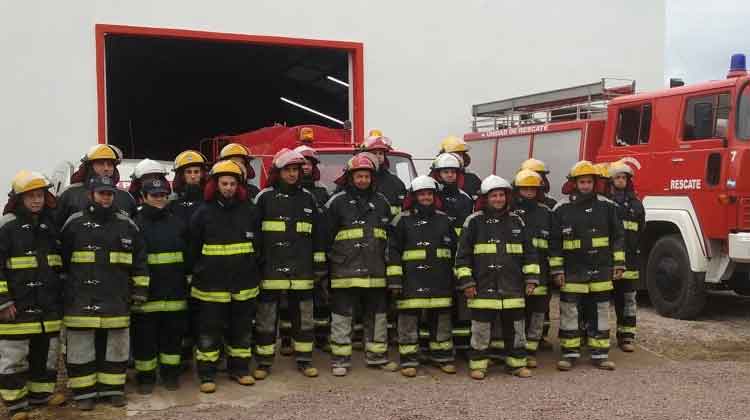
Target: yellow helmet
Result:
[603, 169]
[234, 149]
[620, 167]
[226, 167]
[535, 165]
[375, 133]
[582, 168]
[189, 157]
[102, 152]
[527, 178]
[25, 181]
[453, 144]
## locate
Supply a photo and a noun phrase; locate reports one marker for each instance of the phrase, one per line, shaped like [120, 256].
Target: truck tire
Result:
[674, 289]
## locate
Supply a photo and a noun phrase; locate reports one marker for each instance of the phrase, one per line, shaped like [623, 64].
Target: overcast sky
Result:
[702, 35]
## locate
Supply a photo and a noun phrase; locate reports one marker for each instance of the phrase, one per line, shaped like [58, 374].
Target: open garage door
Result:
[162, 91]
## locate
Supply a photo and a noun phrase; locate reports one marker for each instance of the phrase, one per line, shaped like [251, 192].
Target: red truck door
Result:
[693, 167]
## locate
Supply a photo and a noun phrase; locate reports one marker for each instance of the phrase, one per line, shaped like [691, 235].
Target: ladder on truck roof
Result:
[587, 101]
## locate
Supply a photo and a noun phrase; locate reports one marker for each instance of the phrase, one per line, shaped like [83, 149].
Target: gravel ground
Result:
[683, 370]
[690, 390]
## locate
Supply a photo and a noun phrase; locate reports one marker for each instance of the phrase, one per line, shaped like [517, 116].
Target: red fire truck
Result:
[690, 149]
[335, 147]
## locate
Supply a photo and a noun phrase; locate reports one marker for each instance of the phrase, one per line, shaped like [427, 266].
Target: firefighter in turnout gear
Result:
[145, 170]
[293, 244]
[358, 220]
[420, 275]
[106, 267]
[447, 171]
[529, 198]
[239, 154]
[541, 169]
[321, 304]
[497, 266]
[160, 324]
[633, 218]
[472, 182]
[386, 182]
[100, 161]
[225, 240]
[30, 297]
[189, 180]
[590, 256]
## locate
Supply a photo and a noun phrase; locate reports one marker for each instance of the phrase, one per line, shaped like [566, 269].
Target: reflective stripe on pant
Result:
[624, 297]
[229, 323]
[511, 323]
[96, 361]
[596, 321]
[300, 310]
[28, 369]
[157, 338]
[537, 308]
[439, 325]
[374, 306]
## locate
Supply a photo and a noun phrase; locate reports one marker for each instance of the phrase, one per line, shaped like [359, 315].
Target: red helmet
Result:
[360, 161]
[308, 152]
[377, 143]
[286, 157]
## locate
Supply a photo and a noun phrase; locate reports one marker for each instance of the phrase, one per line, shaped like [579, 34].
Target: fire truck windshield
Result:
[332, 165]
[743, 113]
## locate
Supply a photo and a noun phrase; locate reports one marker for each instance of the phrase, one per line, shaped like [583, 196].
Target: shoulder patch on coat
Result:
[125, 217]
[472, 216]
[261, 192]
[333, 197]
[72, 217]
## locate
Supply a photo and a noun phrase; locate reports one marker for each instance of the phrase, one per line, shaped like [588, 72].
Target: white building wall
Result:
[426, 62]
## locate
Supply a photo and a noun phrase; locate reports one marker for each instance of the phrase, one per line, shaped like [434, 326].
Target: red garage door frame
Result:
[355, 50]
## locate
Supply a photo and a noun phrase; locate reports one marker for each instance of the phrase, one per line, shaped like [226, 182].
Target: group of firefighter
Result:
[210, 268]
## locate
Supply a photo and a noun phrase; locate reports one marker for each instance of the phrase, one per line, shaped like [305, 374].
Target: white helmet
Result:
[423, 182]
[446, 161]
[619, 167]
[148, 166]
[494, 182]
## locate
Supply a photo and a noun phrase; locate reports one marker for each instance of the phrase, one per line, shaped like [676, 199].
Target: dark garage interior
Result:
[166, 94]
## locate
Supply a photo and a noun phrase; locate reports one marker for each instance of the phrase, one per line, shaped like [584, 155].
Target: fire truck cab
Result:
[334, 146]
[689, 147]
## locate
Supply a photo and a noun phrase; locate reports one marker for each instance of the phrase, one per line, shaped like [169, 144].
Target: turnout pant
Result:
[217, 319]
[537, 309]
[461, 321]
[374, 304]
[300, 311]
[157, 343]
[624, 296]
[595, 320]
[438, 322]
[321, 316]
[28, 369]
[506, 323]
[97, 359]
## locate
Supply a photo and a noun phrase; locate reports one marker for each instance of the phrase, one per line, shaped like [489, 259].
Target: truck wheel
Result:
[674, 289]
